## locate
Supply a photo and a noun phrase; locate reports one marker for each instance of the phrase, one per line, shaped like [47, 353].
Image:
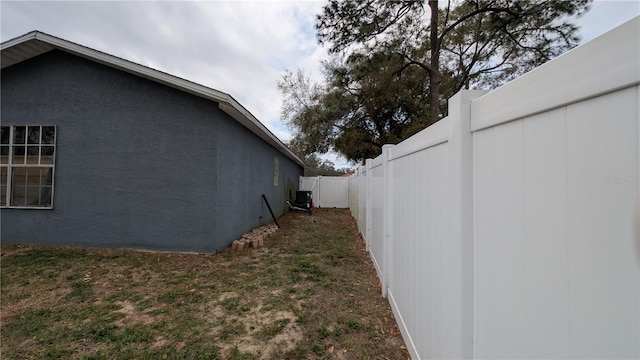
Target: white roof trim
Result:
[36, 43]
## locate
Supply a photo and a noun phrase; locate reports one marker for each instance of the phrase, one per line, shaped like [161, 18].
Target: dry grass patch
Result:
[310, 293]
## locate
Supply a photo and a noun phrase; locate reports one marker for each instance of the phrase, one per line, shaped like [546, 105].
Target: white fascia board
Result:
[20, 39]
[240, 114]
[21, 48]
[605, 64]
[131, 67]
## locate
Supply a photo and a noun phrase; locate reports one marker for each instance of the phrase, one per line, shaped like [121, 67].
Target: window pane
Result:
[19, 176]
[33, 135]
[48, 134]
[33, 176]
[46, 176]
[33, 196]
[47, 155]
[18, 154]
[4, 135]
[4, 154]
[45, 195]
[3, 186]
[33, 154]
[18, 195]
[19, 134]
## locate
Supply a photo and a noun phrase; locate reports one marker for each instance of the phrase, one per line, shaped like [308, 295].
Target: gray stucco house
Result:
[100, 151]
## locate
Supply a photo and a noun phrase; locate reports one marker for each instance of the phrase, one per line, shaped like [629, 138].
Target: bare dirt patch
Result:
[132, 315]
[310, 293]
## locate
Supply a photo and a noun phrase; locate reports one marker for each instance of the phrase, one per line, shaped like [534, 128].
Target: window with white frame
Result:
[27, 164]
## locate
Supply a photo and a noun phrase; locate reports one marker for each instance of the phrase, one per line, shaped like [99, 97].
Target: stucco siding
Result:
[245, 172]
[137, 163]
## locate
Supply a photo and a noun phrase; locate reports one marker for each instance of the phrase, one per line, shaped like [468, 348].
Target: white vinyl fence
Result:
[327, 191]
[510, 228]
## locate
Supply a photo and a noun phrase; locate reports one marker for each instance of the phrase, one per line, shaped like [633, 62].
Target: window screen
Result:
[27, 163]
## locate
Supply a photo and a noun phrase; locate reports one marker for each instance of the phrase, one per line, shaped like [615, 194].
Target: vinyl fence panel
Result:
[375, 218]
[419, 210]
[334, 192]
[310, 183]
[510, 229]
[327, 191]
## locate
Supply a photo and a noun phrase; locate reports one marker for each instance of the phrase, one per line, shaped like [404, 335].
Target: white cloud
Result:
[241, 48]
[238, 47]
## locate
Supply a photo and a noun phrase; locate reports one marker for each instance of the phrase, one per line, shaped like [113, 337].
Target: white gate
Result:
[327, 191]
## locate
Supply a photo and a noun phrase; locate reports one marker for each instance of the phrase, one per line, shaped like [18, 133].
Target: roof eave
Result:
[225, 102]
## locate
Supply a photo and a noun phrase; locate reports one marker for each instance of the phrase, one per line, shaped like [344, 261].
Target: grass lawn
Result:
[310, 293]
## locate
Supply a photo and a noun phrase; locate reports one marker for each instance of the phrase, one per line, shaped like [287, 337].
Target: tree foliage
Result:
[314, 164]
[394, 64]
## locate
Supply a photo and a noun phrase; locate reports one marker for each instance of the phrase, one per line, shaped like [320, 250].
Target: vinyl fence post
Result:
[461, 215]
[368, 211]
[350, 192]
[318, 186]
[387, 216]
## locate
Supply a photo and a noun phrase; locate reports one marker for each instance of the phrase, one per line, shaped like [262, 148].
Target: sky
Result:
[238, 47]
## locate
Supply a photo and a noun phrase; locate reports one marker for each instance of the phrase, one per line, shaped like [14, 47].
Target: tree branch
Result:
[535, 49]
[410, 62]
[479, 11]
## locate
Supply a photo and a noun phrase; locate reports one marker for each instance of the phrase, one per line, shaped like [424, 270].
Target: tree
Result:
[357, 111]
[314, 164]
[396, 62]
